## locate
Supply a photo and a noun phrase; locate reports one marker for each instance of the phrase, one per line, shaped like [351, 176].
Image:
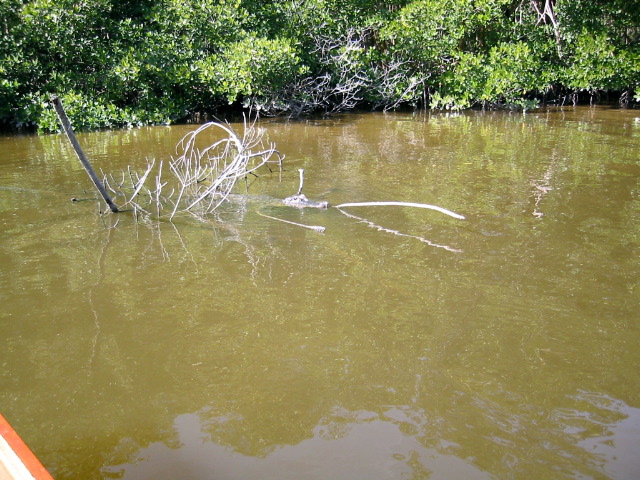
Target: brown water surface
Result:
[500, 346]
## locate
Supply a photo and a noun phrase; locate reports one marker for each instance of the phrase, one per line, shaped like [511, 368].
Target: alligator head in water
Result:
[300, 201]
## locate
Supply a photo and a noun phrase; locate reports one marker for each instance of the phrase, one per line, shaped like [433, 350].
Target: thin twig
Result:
[140, 183]
[316, 228]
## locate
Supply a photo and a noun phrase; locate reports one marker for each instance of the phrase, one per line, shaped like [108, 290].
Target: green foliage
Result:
[500, 78]
[251, 66]
[427, 33]
[125, 62]
[597, 64]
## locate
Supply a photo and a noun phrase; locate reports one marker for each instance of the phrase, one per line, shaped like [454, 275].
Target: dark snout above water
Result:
[403, 343]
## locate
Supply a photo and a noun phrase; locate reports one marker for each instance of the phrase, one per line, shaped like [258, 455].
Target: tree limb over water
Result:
[68, 130]
[201, 176]
[204, 176]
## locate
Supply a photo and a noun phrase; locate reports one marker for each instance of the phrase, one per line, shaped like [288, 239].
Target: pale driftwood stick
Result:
[68, 130]
[402, 204]
[310, 227]
[301, 181]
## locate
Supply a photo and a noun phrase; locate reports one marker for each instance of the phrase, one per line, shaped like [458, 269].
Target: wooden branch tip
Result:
[316, 228]
[301, 181]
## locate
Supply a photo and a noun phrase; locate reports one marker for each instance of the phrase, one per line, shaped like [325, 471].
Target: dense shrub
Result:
[125, 62]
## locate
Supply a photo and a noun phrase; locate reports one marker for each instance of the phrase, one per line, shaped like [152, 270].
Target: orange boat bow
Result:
[17, 462]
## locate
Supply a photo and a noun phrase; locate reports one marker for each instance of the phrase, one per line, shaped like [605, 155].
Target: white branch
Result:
[316, 228]
[402, 204]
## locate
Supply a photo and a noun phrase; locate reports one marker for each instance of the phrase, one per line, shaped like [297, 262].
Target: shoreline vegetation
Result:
[123, 63]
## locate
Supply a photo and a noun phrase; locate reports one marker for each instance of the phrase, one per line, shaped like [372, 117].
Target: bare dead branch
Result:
[402, 204]
[202, 176]
[316, 228]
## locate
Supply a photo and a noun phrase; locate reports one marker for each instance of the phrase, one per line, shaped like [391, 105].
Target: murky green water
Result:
[500, 346]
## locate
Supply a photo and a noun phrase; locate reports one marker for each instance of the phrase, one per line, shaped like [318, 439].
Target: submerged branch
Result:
[68, 130]
[396, 232]
[316, 228]
[201, 177]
